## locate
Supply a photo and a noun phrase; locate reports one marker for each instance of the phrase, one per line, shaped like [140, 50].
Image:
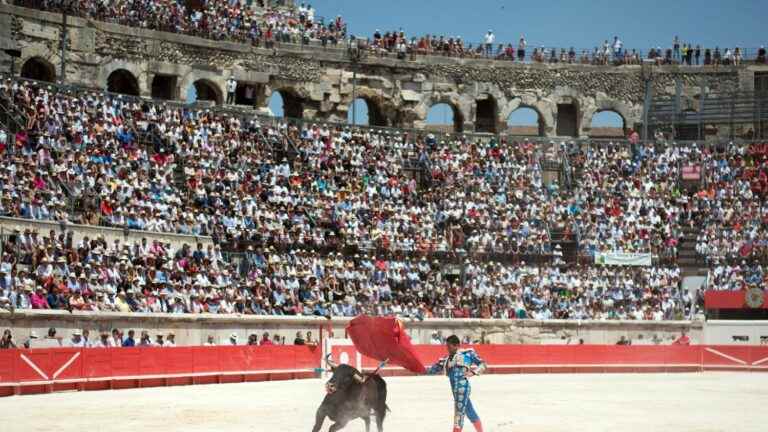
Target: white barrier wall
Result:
[195, 329]
[721, 332]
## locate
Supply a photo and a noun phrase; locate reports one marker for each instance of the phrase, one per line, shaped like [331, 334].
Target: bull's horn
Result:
[359, 378]
[329, 361]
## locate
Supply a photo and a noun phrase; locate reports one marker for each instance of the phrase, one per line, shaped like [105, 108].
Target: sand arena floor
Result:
[707, 402]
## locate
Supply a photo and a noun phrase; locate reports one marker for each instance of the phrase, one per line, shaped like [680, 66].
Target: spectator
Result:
[253, 339]
[104, 340]
[489, 40]
[309, 340]
[435, 339]
[231, 88]
[7, 340]
[299, 340]
[618, 45]
[210, 341]
[145, 340]
[52, 339]
[30, 341]
[130, 342]
[170, 341]
[87, 343]
[233, 339]
[682, 340]
[159, 342]
[265, 339]
[117, 338]
[624, 341]
[77, 341]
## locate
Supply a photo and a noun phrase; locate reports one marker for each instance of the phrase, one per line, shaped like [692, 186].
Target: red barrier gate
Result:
[48, 370]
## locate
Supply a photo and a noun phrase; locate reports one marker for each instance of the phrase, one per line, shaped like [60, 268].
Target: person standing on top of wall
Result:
[231, 88]
[489, 40]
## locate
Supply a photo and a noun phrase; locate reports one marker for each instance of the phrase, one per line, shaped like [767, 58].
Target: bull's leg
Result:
[367, 420]
[380, 419]
[319, 418]
[338, 425]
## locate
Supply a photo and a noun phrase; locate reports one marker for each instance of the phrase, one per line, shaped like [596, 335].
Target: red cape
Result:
[382, 339]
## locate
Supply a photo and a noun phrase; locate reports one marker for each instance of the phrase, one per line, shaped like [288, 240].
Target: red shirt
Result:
[682, 340]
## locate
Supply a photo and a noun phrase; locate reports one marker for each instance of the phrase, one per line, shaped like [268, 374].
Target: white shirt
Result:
[490, 38]
[231, 85]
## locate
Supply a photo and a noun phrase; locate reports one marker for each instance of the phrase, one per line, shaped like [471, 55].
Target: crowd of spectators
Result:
[347, 190]
[214, 19]
[733, 209]
[608, 53]
[54, 272]
[118, 338]
[259, 23]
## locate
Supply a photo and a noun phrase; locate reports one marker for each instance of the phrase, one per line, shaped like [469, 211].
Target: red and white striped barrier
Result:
[66, 369]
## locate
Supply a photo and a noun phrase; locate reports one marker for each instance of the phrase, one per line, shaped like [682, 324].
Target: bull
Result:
[351, 395]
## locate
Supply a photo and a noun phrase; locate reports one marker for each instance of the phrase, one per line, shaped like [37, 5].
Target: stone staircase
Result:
[687, 258]
[568, 245]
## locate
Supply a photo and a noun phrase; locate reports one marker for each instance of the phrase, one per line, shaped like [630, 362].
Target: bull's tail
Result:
[381, 407]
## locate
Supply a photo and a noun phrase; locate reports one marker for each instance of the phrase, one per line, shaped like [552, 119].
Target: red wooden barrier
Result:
[48, 370]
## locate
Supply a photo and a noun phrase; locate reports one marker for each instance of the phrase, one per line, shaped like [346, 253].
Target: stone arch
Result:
[457, 119]
[293, 104]
[123, 77]
[486, 114]
[215, 82]
[540, 125]
[610, 132]
[123, 81]
[461, 106]
[381, 111]
[39, 69]
[207, 90]
[543, 109]
[602, 104]
[373, 112]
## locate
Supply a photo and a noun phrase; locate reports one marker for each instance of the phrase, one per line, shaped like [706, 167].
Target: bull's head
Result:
[343, 376]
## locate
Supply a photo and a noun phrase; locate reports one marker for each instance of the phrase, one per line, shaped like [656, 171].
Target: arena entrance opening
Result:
[608, 124]
[38, 69]
[164, 87]
[486, 115]
[247, 93]
[207, 91]
[444, 117]
[525, 121]
[123, 82]
[567, 120]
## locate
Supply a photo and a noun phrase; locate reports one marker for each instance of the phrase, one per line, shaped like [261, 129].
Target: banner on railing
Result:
[623, 259]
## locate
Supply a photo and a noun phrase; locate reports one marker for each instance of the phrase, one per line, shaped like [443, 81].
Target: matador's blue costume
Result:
[456, 366]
